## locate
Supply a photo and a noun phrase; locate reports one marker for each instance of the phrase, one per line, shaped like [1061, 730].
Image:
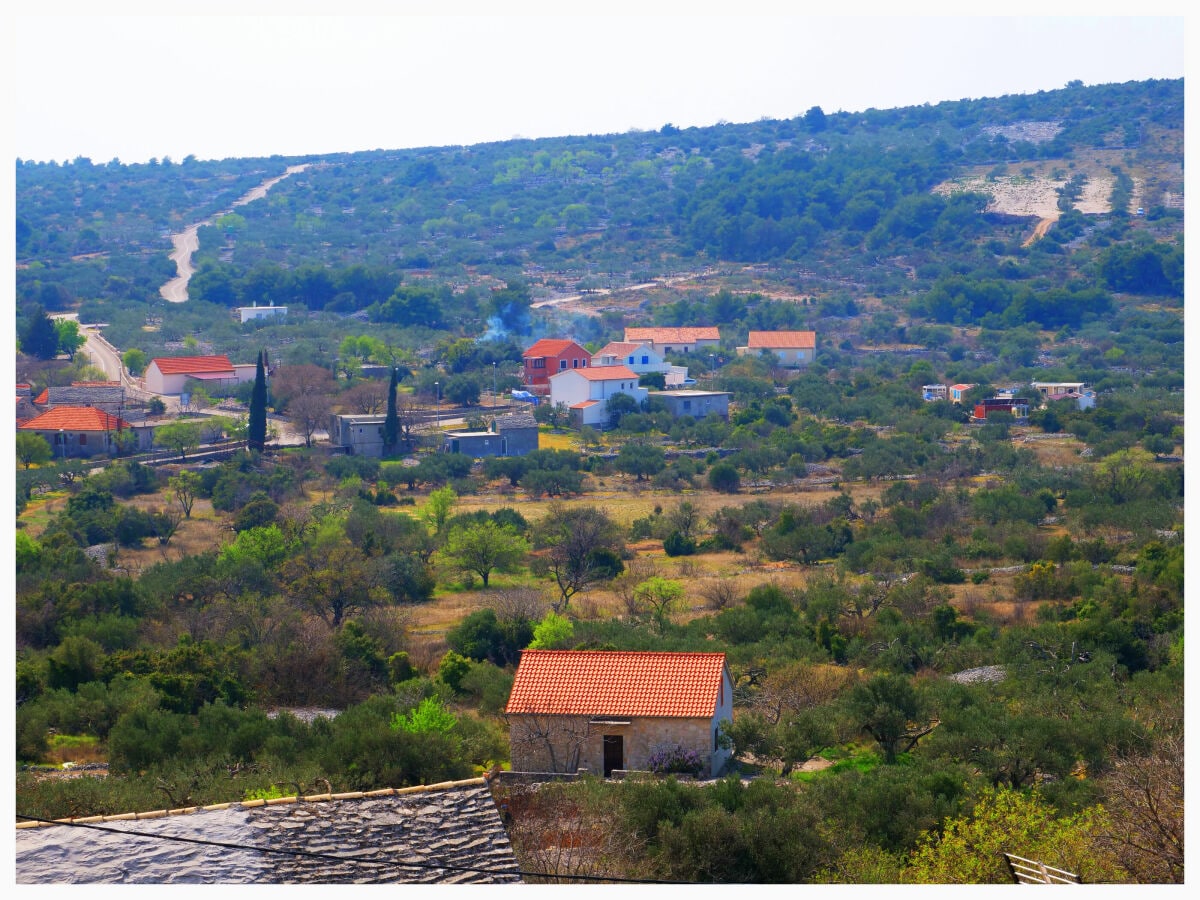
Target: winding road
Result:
[187, 242]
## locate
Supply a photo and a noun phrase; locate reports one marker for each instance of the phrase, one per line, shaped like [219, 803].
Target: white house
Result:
[585, 392]
[640, 358]
[169, 374]
[248, 313]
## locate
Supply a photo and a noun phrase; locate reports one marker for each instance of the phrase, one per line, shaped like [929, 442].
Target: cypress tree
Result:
[391, 423]
[256, 433]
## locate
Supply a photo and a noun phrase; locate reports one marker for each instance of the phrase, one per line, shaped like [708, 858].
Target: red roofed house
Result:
[585, 392]
[85, 431]
[611, 710]
[549, 356]
[675, 340]
[169, 374]
[792, 349]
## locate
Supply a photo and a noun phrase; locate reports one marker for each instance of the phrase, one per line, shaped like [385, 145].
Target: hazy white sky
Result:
[135, 83]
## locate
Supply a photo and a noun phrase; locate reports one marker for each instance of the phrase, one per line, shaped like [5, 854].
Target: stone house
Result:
[82, 431]
[607, 711]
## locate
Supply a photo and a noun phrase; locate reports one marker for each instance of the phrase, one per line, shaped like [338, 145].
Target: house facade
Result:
[609, 711]
[585, 392]
[642, 359]
[1017, 406]
[696, 404]
[251, 313]
[83, 431]
[958, 391]
[791, 349]
[675, 340]
[511, 435]
[933, 392]
[169, 374]
[358, 435]
[547, 358]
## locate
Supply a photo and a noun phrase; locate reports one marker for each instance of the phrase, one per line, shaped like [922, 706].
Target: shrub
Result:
[672, 759]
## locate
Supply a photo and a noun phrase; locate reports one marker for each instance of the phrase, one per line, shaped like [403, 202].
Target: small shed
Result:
[606, 711]
[510, 435]
[696, 404]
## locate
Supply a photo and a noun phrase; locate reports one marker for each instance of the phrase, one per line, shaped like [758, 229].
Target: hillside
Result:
[949, 591]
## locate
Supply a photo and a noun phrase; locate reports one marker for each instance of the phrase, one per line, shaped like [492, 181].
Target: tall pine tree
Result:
[391, 423]
[256, 431]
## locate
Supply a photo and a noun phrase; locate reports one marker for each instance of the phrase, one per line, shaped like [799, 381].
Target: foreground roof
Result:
[75, 418]
[362, 838]
[617, 683]
[782, 340]
[186, 365]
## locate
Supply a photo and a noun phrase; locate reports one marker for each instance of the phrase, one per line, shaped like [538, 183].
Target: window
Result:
[562, 364]
[539, 363]
[645, 360]
[631, 360]
[83, 440]
[574, 364]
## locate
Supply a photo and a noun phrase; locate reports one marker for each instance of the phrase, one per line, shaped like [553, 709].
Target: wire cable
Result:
[333, 857]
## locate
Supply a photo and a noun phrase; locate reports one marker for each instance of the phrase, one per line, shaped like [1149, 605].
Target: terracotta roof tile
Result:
[602, 373]
[617, 683]
[673, 335]
[782, 340]
[75, 418]
[550, 347]
[186, 365]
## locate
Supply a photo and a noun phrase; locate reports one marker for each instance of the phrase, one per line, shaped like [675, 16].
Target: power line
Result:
[333, 857]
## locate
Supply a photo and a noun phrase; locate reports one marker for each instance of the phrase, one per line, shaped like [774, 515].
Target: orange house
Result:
[549, 356]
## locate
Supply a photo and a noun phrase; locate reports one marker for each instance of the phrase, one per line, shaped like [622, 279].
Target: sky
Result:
[240, 80]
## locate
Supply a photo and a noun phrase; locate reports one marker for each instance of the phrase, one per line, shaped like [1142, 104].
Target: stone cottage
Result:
[606, 711]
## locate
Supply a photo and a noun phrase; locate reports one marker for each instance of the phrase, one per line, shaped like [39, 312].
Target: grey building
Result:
[360, 435]
[696, 404]
[511, 435]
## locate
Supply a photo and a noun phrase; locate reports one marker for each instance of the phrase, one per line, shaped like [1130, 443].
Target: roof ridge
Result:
[277, 801]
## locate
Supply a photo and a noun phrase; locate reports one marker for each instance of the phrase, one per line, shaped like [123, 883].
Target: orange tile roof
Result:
[601, 373]
[618, 348]
[43, 398]
[550, 347]
[617, 683]
[673, 335]
[782, 340]
[75, 418]
[186, 365]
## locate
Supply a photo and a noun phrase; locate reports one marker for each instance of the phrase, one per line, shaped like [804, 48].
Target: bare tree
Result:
[719, 594]
[368, 397]
[565, 830]
[1145, 796]
[309, 414]
[582, 546]
[546, 743]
